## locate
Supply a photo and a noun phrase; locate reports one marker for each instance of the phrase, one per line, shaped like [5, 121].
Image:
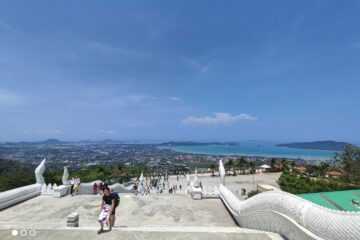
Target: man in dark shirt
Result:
[116, 197]
[110, 200]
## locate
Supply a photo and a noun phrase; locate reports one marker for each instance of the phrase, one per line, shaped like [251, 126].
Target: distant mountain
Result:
[51, 141]
[190, 143]
[318, 145]
[45, 142]
[110, 141]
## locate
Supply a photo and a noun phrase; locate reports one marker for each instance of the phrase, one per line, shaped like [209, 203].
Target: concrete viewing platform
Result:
[181, 215]
[148, 217]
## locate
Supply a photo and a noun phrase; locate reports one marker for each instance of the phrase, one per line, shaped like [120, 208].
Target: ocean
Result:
[256, 148]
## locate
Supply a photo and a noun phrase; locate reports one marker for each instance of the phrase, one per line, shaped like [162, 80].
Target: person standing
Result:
[76, 185]
[95, 188]
[107, 210]
[72, 186]
[116, 197]
[101, 187]
[78, 181]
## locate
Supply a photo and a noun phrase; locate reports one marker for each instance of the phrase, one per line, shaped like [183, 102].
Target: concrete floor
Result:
[155, 216]
[134, 211]
[234, 183]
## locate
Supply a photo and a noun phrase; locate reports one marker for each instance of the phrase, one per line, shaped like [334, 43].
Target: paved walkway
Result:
[134, 211]
[234, 183]
[155, 216]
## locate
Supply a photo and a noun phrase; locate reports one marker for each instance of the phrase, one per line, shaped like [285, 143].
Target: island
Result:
[190, 143]
[317, 145]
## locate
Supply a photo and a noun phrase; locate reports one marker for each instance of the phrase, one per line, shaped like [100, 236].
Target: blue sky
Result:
[182, 70]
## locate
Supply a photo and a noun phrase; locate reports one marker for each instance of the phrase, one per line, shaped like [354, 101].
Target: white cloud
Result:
[3, 72]
[10, 99]
[137, 124]
[98, 99]
[175, 99]
[56, 131]
[111, 49]
[48, 131]
[197, 65]
[19, 33]
[11, 29]
[102, 131]
[218, 118]
[42, 131]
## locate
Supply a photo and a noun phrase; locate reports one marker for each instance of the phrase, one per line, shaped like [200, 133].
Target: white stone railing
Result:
[119, 188]
[14, 196]
[291, 216]
[87, 188]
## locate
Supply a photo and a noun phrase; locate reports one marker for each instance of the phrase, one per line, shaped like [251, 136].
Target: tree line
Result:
[313, 178]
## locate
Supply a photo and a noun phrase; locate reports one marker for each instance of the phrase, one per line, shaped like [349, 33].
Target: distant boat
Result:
[258, 146]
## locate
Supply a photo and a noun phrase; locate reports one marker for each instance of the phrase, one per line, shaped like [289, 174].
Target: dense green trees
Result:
[298, 183]
[272, 163]
[15, 174]
[285, 164]
[242, 164]
[8, 166]
[318, 170]
[212, 167]
[349, 162]
[230, 166]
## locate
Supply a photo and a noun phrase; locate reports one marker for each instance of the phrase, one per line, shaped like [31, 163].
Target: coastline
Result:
[267, 151]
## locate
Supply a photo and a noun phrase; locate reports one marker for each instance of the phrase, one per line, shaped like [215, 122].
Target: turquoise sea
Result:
[256, 148]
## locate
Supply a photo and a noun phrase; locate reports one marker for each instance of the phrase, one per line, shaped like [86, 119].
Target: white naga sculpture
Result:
[222, 172]
[14, 196]
[291, 216]
[188, 179]
[141, 178]
[65, 176]
[39, 171]
[196, 179]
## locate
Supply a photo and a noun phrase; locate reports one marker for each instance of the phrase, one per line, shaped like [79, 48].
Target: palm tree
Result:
[230, 165]
[323, 168]
[252, 167]
[242, 163]
[292, 164]
[285, 164]
[212, 167]
[120, 167]
[272, 163]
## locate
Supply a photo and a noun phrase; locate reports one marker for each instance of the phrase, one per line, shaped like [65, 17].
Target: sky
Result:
[180, 70]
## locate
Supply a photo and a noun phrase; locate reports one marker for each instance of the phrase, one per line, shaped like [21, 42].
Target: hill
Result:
[190, 143]
[317, 145]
